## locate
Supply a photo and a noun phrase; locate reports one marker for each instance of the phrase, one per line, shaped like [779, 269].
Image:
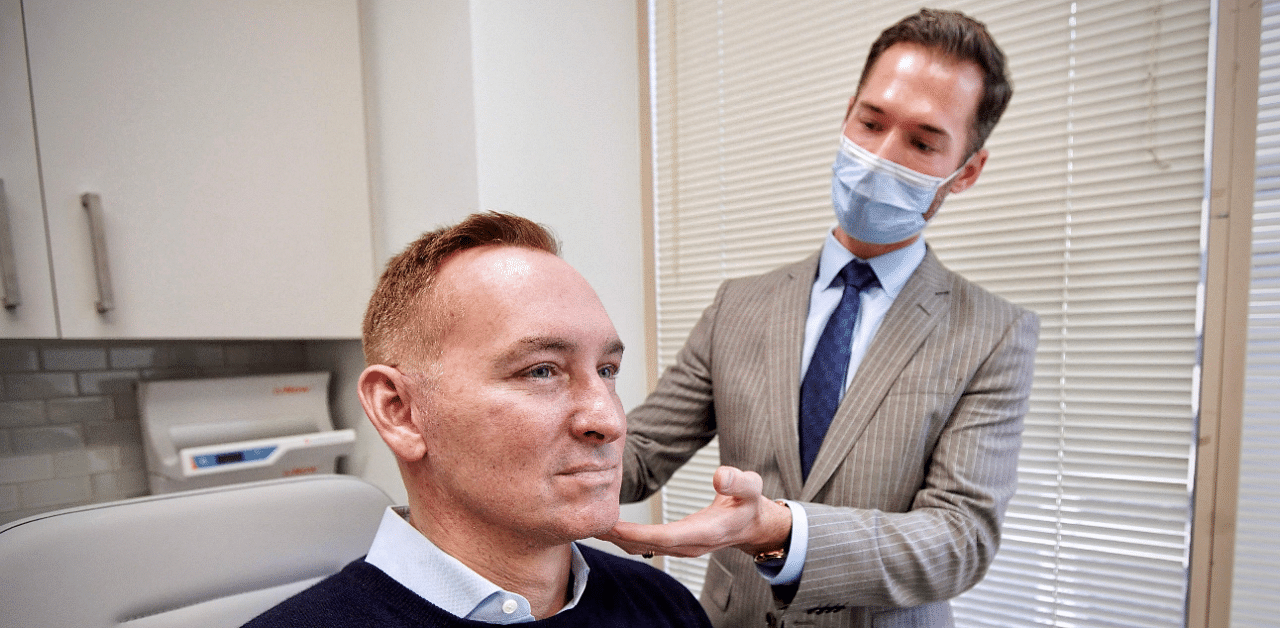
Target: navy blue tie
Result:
[820, 391]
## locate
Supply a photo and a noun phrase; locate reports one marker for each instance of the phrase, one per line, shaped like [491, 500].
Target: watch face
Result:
[764, 558]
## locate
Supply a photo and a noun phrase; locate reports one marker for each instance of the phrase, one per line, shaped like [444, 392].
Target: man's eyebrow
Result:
[536, 344]
[933, 130]
[927, 128]
[874, 109]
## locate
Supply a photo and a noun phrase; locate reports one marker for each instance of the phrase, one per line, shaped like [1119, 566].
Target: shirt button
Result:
[509, 606]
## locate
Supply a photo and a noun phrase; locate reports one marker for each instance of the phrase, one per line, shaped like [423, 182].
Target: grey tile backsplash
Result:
[69, 429]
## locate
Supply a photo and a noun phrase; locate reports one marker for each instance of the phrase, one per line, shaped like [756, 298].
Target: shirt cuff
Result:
[793, 567]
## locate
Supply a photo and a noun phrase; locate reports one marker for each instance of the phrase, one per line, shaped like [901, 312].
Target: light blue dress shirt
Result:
[893, 269]
[403, 553]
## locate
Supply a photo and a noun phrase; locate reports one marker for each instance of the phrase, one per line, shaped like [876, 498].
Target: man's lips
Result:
[588, 470]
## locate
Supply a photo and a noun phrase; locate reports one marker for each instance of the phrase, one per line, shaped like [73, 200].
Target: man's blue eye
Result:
[608, 372]
[540, 371]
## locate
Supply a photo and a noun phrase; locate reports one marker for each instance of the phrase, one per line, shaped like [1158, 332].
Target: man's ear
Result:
[972, 169]
[387, 401]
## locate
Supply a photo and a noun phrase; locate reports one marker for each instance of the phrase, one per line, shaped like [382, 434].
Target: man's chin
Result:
[594, 521]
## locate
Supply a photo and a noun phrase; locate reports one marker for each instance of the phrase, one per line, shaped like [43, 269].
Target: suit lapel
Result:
[908, 322]
[785, 330]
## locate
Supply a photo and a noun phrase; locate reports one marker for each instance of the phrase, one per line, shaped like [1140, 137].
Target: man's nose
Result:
[599, 416]
[890, 146]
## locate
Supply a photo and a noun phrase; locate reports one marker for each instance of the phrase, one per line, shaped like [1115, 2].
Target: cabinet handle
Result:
[8, 261]
[93, 204]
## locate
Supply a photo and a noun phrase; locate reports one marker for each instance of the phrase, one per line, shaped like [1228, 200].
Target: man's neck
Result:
[538, 573]
[867, 250]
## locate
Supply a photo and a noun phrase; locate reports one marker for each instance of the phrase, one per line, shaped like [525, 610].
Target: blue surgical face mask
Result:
[878, 201]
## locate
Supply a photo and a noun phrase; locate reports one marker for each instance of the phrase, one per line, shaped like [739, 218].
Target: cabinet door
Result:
[225, 141]
[29, 310]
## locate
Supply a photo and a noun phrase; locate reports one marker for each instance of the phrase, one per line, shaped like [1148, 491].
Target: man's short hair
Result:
[963, 39]
[403, 323]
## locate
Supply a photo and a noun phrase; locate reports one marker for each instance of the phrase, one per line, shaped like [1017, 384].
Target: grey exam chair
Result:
[212, 557]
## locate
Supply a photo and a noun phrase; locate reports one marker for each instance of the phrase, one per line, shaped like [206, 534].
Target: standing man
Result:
[491, 377]
[878, 393]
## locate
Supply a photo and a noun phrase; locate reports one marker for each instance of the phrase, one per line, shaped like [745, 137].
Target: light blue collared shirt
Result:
[411, 559]
[893, 269]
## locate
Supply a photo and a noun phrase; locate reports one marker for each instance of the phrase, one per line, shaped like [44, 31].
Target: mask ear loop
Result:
[946, 183]
[951, 178]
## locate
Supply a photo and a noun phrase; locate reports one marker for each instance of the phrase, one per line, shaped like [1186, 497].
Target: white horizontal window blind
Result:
[749, 98]
[1089, 212]
[1092, 217]
[1255, 596]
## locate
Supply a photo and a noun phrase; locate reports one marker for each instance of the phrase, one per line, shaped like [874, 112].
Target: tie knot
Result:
[858, 274]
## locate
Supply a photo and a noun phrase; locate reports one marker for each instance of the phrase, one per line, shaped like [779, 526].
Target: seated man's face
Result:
[523, 424]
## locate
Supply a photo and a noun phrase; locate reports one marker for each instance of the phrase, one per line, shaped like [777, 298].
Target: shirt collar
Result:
[411, 559]
[893, 269]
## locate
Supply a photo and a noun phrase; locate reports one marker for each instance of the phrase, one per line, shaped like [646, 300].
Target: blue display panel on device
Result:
[230, 457]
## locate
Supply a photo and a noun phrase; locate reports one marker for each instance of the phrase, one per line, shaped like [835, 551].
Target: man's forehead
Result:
[522, 300]
[905, 53]
[495, 273]
[493, 264]
[906, 71]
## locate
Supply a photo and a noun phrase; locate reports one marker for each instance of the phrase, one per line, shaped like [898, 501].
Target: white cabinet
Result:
[28, 292]
[225, 141]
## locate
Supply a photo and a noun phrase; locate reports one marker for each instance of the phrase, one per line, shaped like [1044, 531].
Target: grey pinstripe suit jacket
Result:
[906, 496]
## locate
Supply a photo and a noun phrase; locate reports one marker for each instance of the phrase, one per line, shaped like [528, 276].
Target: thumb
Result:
[733, 482]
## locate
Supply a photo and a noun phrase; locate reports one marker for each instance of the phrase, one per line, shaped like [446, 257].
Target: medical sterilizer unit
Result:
[207, 432]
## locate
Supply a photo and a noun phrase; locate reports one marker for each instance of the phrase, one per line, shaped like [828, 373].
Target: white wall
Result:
[517, 106]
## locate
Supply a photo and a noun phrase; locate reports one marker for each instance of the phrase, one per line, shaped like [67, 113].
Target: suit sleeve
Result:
[944, 543]
[678, 417]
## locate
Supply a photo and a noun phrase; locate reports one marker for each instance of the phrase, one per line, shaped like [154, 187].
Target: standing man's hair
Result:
[961, 38]
[403, 321]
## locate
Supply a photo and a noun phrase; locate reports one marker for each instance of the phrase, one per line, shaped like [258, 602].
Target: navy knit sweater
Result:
[620, 592]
